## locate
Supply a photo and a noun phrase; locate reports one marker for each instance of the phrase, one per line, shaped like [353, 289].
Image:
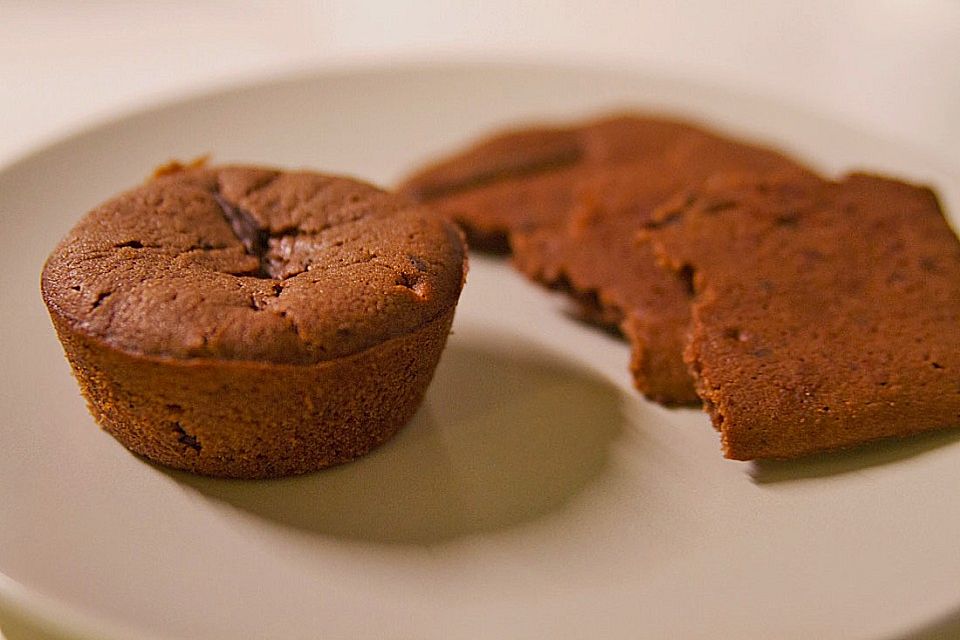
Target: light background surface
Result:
[888, 66]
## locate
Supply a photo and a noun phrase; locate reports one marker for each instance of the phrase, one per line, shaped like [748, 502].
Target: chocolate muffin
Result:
[249, 322]
[825, 315]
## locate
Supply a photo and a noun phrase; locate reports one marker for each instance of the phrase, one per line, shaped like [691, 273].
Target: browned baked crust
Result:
[591, 250]
[567, 202]
[826, 314]
[524, 178]
[248, 322]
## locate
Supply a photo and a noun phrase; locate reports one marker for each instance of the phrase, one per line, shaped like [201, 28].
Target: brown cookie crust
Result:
[523, 178]
[249, 322]
[825, 314]
[592, 251]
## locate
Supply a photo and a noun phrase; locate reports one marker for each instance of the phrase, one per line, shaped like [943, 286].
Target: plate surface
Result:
[535, 494]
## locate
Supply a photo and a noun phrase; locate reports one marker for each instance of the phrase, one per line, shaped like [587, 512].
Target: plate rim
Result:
[65, 618]
[351, 65]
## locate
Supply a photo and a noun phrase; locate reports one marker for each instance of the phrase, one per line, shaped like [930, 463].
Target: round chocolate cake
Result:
[249, 322]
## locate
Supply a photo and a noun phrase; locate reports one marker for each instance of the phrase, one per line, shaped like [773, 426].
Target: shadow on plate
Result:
[839, 462]
[947, 627]
[506, 435]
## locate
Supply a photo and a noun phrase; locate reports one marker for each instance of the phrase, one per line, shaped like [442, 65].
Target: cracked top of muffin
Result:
[246, 263]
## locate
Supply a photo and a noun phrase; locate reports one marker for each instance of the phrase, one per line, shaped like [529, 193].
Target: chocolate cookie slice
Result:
[249, 322]
[523, 178]
[826, 314]
[591, 252]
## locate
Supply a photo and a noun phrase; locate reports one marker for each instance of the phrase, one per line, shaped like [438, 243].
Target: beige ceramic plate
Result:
[534, 494]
